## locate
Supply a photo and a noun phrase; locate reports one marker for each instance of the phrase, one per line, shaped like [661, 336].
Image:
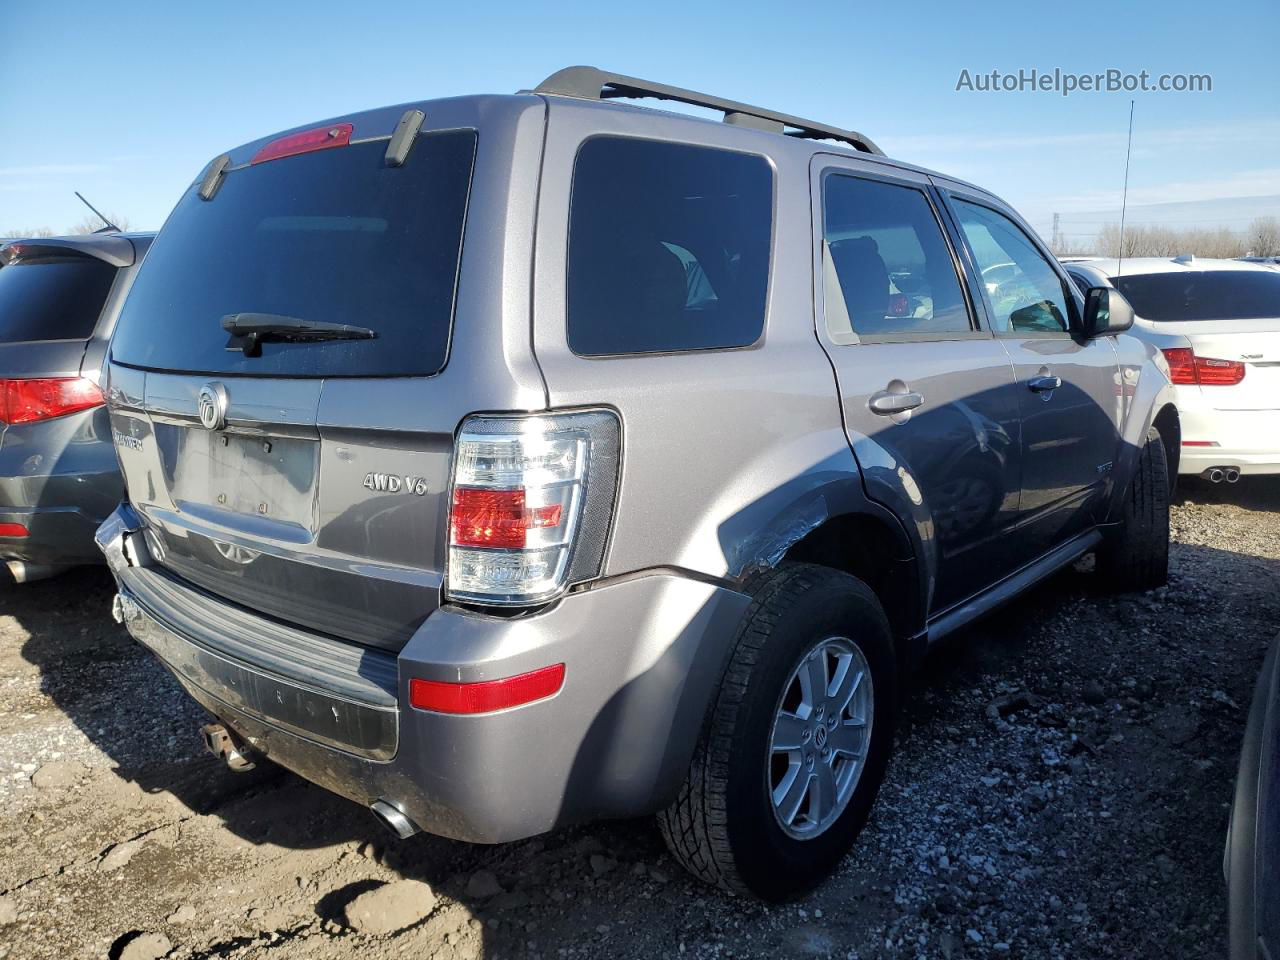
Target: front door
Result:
[929, 398]
[1069, 389]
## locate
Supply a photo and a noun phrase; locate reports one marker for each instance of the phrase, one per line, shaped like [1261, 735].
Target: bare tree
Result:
[92, 223]
[1263, 237]
[19, 234]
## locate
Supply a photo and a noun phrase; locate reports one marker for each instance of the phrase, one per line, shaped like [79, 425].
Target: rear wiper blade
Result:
[250, 330]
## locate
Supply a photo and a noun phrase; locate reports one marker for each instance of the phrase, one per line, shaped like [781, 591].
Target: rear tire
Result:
[1135, 555]
[724, 826]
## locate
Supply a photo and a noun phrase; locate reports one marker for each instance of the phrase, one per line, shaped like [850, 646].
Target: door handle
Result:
[886, 404]
[1043, 383]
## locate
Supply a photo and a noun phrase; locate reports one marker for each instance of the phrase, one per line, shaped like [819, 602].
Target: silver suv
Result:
[503, 462]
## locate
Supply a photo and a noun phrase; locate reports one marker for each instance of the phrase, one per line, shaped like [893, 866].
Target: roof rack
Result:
[590, 83]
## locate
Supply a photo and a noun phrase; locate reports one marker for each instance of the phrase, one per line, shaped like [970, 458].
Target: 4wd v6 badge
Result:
[394, 483]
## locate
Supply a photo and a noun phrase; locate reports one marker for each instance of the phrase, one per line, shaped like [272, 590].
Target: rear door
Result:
[308, 479]
[1069, 390]
[928, 397]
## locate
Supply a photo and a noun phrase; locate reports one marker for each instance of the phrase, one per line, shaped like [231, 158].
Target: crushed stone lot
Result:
[1061, 789]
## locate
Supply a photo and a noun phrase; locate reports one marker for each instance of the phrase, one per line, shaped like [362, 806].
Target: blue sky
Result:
[127, 101]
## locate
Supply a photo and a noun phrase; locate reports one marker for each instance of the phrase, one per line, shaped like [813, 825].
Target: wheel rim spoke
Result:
[820, 738]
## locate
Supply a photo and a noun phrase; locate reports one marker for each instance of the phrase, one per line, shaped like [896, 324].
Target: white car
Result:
[1217, 322]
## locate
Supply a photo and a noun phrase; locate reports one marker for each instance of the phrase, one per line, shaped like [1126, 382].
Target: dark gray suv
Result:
[502, 462]
[59, 299]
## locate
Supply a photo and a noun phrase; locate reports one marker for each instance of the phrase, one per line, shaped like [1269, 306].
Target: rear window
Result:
[668, 247]
[53, 299]
[334, 236]
[1202, 295]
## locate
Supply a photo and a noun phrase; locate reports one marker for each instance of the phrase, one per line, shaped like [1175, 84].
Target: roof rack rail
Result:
[590, 83]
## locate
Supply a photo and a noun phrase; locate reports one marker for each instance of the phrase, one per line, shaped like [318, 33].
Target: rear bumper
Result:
[642, 658]
[1246, 439]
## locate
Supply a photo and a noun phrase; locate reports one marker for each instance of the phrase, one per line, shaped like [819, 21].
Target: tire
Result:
[722, 826]
[1135, 555]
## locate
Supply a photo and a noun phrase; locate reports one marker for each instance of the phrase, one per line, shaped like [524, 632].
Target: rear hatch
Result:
[315, 488]
[51, 297]
[1226, 315]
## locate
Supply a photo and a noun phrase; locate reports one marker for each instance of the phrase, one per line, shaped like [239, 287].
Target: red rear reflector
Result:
[1199, 443]
[487, 696]
[496, 518]
[309, 141]
[28, 401]
[12, 530]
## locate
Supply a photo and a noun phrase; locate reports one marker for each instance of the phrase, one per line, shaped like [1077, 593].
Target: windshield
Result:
[57, 298]
[334, 236]
[1202, 295]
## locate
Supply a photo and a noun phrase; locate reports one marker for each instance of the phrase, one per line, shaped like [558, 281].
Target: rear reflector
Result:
[1199, 443]
[28, 401]
[487, 696]
[12, 530]
[309, 141]
[1187, 369]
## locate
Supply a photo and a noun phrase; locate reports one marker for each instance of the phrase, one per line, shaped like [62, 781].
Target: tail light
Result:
[28, 401]
[530, 508]
[1187, 369]
[899, 305]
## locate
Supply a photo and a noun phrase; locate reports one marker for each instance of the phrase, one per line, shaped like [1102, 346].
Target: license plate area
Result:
[270, 478]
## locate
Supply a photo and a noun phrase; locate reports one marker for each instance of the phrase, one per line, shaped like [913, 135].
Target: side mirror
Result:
[1106, 312]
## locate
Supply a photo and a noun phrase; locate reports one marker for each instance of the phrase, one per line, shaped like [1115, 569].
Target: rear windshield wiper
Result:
[250, 330]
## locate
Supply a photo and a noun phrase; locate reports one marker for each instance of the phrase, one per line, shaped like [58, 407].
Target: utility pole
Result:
[1054, 244]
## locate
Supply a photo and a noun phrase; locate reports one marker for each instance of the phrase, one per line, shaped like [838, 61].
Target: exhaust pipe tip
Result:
[391, 817]
[1214, 475]
[1231, 475]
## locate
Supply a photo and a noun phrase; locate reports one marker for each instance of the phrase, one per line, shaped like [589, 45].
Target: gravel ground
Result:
[1061, 789]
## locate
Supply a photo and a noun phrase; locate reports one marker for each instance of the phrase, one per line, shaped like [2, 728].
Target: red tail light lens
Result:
[487, 696]
[29, 401]
[497, 518]
[12, 530]
[1219, 373]
[899, 305]
[309, 141]
[1182, 365]
[1186, 369]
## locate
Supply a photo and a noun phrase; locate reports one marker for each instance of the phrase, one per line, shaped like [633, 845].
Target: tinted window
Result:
[53, 299]
[334, 236]
[1025, 292]
[1202, 295]
[668, 247]
[886, 262]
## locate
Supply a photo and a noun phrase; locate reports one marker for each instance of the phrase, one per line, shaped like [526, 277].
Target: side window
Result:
[1026, 293]
[886, 266]
[1081, 281]
[668, 247]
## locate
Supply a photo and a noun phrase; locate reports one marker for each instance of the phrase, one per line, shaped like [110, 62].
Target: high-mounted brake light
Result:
[29, 401]
[1187, 369]
[530, 505]
[486, 696]
[309, 141]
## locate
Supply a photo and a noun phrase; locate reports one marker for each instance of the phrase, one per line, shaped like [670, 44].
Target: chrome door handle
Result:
[1043, 384]
[886, 404]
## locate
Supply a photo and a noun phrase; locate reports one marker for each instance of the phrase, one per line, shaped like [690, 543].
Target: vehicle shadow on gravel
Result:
[1108, 726]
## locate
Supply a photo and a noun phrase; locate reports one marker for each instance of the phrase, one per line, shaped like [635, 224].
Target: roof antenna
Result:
[109, 224]
[1124, 198]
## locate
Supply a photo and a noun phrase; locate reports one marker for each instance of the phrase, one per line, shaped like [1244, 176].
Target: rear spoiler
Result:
[111, 248]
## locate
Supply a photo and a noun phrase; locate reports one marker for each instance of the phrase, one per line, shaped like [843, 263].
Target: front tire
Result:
[794, 752]
[1135, 555]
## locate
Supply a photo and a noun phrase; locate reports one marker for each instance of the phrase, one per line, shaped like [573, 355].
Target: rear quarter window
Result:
[56, 298]
[668, 247]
